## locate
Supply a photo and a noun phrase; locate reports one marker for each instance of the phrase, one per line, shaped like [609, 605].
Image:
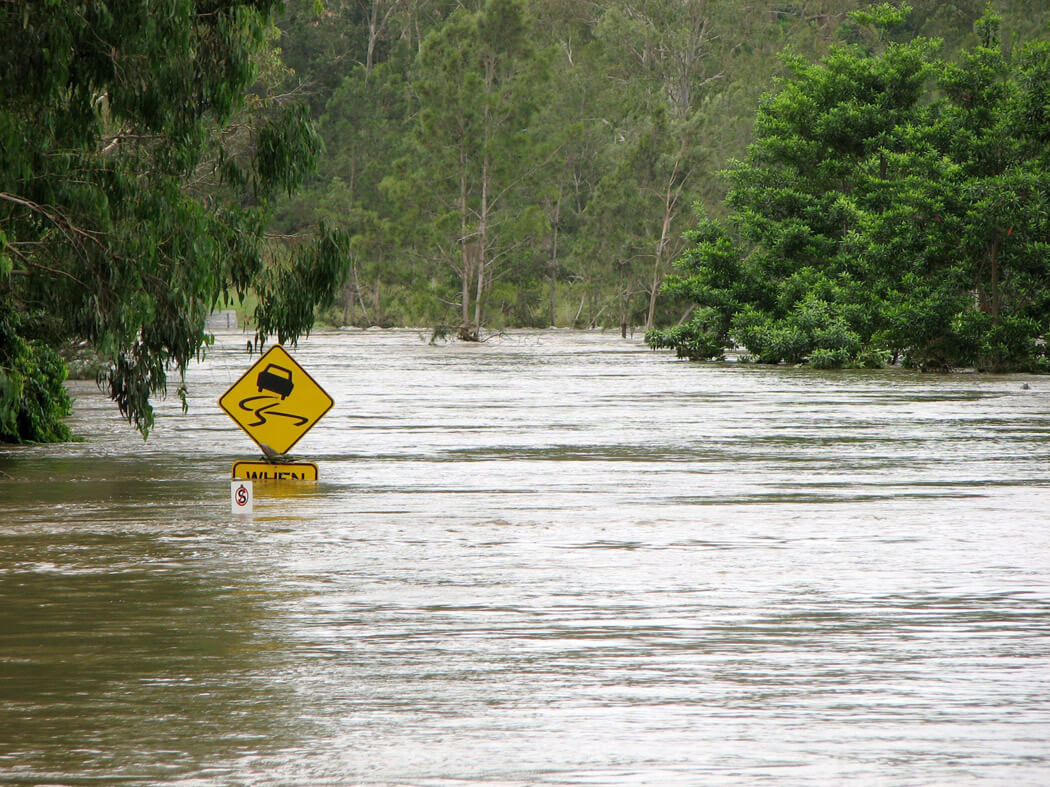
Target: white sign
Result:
[241, 497]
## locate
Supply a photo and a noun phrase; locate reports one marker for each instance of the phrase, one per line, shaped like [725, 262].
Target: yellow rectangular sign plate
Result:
[275, 402]
[264, 471]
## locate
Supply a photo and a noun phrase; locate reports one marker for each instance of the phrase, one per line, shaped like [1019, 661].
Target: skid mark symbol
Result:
[264, 410]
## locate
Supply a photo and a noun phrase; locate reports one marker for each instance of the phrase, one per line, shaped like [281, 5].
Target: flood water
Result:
[552, 558]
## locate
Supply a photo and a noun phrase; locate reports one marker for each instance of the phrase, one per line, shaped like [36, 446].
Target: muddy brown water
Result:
[553, 558]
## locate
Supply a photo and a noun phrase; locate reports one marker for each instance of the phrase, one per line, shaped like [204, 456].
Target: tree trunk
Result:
[996, 297]
[464, 325]
[670, 202]
[554, 260]
[625, 312]
[359, 295]
[483, 225]
[373, 32]
[375, 299]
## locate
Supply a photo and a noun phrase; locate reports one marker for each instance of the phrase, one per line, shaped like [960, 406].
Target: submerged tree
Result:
[666, 56]
[478, 81]
[870, 221]
[134, 185]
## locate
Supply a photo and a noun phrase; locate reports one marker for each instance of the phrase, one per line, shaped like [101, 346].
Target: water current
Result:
[551, 558]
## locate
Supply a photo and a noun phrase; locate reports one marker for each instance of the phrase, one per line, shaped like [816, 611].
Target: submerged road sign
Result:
[264, 471]
[276, 402]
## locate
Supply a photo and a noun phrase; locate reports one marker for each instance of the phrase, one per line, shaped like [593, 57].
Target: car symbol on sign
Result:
[278, 381]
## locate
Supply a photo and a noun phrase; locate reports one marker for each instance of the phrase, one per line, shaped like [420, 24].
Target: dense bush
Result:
[893, 204]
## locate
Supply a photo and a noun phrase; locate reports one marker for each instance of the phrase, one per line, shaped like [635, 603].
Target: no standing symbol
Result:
[241, 497]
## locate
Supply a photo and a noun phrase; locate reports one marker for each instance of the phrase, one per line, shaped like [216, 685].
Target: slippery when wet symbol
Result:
[275, 402]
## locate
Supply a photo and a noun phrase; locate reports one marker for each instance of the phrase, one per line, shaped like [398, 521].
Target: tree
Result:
[992, 131]
[870, 221]
[135, 180]
[365, 129]
[477, 81]
[672, 53]
[631, 217]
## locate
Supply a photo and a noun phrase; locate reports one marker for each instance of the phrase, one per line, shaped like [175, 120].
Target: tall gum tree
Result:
[478, 80]
[134, 190]
[671, 53]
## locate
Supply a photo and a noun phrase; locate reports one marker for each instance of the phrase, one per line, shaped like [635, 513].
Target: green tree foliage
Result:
[671, 54]
[323, 41]
[32, 399]
[365, 129]
[644, 102]
[477, 80]
[871, 220]
[134, 185]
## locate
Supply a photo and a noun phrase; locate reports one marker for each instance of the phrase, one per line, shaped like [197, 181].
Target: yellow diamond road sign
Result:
[276, 402]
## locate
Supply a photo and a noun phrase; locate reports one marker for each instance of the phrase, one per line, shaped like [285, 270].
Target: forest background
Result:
[538, 162]
[834, 185]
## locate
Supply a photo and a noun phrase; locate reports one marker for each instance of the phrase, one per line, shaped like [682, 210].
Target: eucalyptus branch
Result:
[63, 223]
[29, 262]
